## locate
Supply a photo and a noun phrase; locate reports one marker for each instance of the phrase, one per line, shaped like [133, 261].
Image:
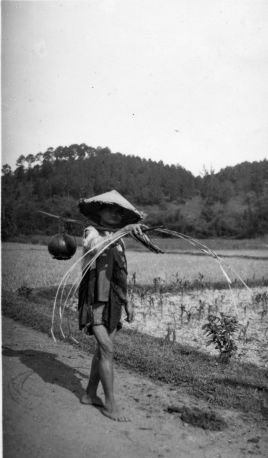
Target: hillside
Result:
[231, 203]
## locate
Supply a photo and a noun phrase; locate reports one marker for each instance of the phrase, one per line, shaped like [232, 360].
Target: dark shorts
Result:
[100, 315]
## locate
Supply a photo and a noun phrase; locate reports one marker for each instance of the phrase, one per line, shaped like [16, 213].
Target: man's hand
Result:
[130, 313]
[136, 229]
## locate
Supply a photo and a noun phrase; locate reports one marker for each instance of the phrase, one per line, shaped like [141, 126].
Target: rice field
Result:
[32, 265]
[188, 267]
[180, 317]
[173, 317]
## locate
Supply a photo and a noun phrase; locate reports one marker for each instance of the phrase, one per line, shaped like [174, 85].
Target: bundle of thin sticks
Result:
[103, 245]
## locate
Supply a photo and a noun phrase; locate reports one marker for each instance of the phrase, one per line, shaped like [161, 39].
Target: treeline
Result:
[54, 181]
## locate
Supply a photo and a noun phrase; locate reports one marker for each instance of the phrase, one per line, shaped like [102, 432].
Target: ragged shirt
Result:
[105, 281]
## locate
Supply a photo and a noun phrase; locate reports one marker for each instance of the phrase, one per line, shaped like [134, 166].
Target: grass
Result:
[238, 386]
[33, 266]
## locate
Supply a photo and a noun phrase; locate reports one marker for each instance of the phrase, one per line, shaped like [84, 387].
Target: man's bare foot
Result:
[114, 414]
[91, 400]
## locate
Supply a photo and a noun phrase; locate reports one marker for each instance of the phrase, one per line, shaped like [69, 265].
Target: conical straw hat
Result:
[91, 207]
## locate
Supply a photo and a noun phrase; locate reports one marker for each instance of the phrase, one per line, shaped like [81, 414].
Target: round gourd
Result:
[62, 247]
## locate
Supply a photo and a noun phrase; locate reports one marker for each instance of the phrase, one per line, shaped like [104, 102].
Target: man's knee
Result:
[105, 343]
[106, 349]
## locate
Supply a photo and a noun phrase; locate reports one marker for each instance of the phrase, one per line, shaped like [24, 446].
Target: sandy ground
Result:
[42, 384]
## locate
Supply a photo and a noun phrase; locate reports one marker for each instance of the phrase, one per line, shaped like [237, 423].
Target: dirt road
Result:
[42, 384]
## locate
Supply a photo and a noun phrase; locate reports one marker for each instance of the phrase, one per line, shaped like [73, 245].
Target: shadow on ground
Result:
[50, 369]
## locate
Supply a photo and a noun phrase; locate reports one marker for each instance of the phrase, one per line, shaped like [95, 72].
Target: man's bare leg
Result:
[105, 342]
[90, 397]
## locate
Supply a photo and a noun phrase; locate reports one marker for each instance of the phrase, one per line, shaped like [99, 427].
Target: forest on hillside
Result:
[230, 203]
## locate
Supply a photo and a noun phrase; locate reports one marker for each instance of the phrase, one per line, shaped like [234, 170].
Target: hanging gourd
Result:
[62, 246]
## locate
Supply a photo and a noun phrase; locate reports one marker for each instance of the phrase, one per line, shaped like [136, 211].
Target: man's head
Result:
[120, 212]
[111, 215]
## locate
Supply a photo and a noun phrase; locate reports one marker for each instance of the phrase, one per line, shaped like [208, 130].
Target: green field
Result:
[32, 265]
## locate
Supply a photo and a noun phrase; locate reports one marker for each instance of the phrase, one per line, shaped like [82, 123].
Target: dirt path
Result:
[42, 383]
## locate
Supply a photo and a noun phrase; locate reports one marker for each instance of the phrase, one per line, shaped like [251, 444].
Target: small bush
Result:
[261, 299]
[221, 329]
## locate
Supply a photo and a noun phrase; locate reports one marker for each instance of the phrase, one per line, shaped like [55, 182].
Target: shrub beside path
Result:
[42, 415]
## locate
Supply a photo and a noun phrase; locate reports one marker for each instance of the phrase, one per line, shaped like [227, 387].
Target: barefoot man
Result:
[103, 291]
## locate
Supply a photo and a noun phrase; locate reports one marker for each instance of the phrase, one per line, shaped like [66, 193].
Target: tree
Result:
[6, 170]
[21, 161]
[39, 157]
[30, 159]
[48, 156]
[61, 176]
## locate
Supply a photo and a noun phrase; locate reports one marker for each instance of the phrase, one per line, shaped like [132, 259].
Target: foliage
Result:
[221, 329]
[261, 299]
[54, 181]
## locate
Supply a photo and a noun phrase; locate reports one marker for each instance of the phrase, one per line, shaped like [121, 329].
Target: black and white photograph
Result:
[134, 225]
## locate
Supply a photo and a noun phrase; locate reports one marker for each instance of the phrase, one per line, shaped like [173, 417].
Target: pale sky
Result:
[182, 81]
